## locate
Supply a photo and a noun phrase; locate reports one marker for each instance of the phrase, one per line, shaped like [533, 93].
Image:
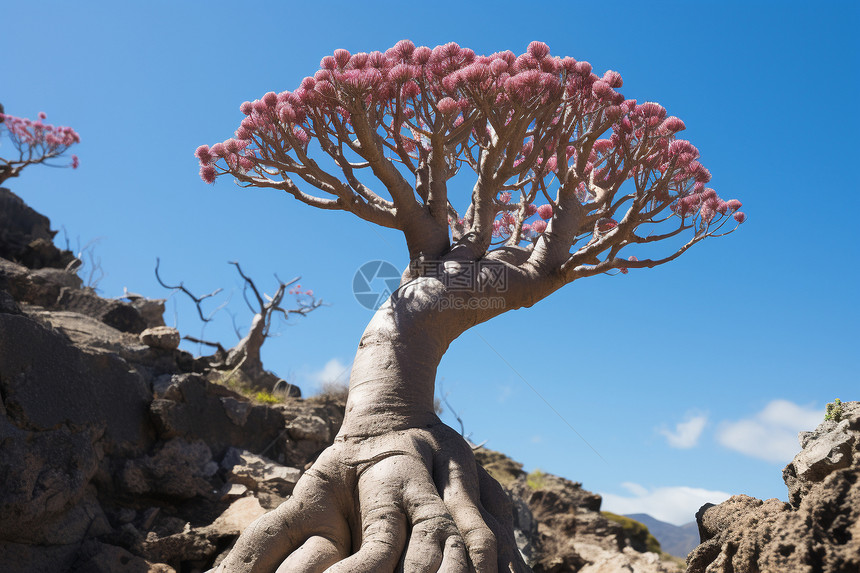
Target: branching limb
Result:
[181, 287]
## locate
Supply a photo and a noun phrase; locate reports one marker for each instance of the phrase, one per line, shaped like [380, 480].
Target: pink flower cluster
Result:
[409, 94]
[706, 204]
[409, 86]
[37, 140]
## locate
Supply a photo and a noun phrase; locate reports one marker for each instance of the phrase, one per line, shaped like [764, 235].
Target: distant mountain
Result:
[677, 540]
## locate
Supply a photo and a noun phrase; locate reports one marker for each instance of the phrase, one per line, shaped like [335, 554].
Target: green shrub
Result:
[834, 410]
[266, 397]
[536, 480]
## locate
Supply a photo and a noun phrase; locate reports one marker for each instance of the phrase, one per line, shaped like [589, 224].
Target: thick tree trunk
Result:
[398, 490]
[246, 354]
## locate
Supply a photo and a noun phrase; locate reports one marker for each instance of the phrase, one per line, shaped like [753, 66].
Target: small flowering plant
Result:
[35, 142]
[538, 131]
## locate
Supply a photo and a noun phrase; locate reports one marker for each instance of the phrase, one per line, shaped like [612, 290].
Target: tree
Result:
[570, 180]
[35, 142]
[245, 355]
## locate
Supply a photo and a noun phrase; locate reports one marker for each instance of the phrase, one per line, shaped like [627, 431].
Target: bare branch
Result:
[181, 287]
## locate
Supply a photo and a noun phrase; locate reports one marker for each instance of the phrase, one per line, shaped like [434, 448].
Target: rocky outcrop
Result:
[818, 532]
[26, 235]
[559, 527]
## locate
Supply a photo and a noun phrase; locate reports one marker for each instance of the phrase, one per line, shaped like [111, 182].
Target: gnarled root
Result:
[410, 500]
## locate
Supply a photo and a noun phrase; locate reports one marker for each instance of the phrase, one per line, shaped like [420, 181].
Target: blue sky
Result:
[689, 380]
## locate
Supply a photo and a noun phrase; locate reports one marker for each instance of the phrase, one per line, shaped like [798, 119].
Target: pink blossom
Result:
[218, 150]
[505, 196]
[734, 204]
[401, 73]
[377, 60]
[530, 210]
[539, 227]
[583, 68]
[421, 55]
[497, 228]
[203, 154]
[538, 50]
[302, 135]
[402, 50]
[208, 173]
[341, 56]
[651, 109]
[613, 78]
[498, 67]
[75, 163]
[246, 108]
[602, 145]
[410, 90]
[328, 63]
[326, 89]
[545, 211]
[245, 163]
[672, 124]
[42, 115]
[359, 61]
[447, 106]
[602, 89]
[682, 146]
[270, 99]
[740, 217]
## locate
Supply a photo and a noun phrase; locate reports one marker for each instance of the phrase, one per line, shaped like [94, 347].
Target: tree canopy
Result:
[35, 142]
[565, 166]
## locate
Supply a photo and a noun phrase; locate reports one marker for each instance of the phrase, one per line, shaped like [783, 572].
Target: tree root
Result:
[411, 500]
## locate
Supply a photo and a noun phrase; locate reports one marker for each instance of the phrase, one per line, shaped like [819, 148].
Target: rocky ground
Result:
[121, 452]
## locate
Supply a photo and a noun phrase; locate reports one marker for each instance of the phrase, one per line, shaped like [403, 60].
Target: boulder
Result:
[46, 383]
[819, 531]
[121, 315]
[84, 330]
[45, 475]
[833, 445]
[196, 409]
[178, 470]
[259, 473]
[162, 337]
[287, 390]
[312, 428]
[151, 310]
[235, 518]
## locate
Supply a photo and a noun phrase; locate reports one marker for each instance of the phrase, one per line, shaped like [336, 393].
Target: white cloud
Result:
[687, 433]
[333, 371]
[771, 434]
[677, 504]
